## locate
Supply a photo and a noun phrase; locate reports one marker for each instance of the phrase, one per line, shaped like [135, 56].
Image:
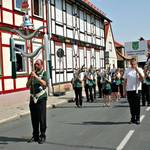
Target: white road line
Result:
[125, 140]
[142, 117]
[148, 109]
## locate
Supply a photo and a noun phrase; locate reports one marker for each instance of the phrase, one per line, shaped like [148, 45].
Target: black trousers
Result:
[121, 90]
[99, 89]
[38, 116]
[86, 87]
[91, 93]
[78, 96]
[148, 94]
[134, 103]
[94, 89]
[144, 93]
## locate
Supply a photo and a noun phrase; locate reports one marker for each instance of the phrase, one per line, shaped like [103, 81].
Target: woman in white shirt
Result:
[133, 77]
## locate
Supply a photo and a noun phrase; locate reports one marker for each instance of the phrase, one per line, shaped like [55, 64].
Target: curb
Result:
[14, 117]
[27, 112]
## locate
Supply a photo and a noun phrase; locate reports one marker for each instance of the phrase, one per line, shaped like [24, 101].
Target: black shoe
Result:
[33, 139]
[78, 106]
[132, 121]
[137, 122]
[42, 140]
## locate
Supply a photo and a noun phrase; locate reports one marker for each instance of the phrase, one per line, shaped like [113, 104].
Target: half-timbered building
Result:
[76, 26]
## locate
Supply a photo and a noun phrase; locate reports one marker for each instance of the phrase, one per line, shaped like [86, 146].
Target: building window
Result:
[110, 46]
[21, 61]
[70, 15]
[18, 4]
[38, 8]
[98, 32]
[81, 21]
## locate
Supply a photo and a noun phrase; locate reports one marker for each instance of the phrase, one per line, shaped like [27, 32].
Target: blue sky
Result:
[130, 18]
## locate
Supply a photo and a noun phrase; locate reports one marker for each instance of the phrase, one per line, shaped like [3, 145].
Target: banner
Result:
[136, 48]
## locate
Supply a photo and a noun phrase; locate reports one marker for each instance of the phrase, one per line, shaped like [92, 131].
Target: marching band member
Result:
[147, 82]
[86, 87]
[133, 77]
[107, 89]
[90, 83]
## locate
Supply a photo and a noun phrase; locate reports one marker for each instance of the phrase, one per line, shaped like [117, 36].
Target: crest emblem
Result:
[135, 45]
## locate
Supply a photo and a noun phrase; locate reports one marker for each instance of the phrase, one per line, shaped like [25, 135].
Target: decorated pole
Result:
[26, 26]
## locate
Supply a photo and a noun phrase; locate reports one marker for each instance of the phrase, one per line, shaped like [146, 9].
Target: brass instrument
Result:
[78, 71]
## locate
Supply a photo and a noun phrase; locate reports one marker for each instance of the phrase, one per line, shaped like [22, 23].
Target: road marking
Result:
[125, 140]
[148, 109]
[142, 117]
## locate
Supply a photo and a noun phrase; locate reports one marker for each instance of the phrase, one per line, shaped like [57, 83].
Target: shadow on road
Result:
[99, 123]
[104, 123]
[83, 107]
[5, 140]
[121, 106]
[86, 147]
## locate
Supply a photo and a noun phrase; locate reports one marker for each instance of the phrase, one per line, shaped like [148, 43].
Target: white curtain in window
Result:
[81, 56]
[69, 58]
[97, 59]
[88, 58]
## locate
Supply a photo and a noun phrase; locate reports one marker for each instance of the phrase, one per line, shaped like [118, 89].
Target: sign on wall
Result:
[136, 48]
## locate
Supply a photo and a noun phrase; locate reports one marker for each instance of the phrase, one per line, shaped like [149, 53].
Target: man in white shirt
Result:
[112, 71]
[133, 77]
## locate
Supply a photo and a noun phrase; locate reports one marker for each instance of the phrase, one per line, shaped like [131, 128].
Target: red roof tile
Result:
[94, 7]
[117, 44]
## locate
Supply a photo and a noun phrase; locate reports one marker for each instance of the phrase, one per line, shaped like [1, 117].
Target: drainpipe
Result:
[49, 62]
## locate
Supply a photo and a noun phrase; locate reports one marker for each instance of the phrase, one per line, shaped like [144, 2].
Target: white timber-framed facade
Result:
[77, 27]
[11, 17]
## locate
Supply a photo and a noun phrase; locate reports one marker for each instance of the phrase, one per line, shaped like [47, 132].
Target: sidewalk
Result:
[16, 105]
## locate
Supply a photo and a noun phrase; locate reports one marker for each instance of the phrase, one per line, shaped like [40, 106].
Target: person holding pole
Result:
[133, 77]
[37, 83]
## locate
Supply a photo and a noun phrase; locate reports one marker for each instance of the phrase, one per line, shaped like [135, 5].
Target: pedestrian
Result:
[86, 87]
[90, 83]
[146, 89]
[115, 85]
[78, 89]
[144, 92]
[133, 77]
[37, 83]
[121, 86]
[107, 90]
[99, 83]
[112, 71]
[94, 84]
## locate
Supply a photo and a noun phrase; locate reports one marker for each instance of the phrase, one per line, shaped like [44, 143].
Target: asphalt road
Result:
[92, 127]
